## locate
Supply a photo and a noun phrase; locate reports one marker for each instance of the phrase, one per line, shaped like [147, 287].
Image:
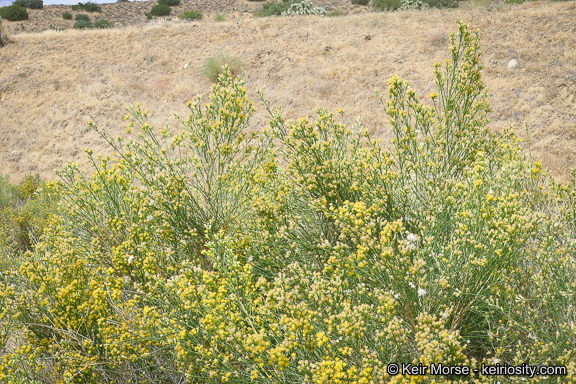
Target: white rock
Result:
[185, 66]
[512, 64]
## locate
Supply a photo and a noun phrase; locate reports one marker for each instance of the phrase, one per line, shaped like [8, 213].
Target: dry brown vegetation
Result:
[52, 83]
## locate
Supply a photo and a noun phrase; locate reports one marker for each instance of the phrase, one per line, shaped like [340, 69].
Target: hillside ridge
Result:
[53, 83]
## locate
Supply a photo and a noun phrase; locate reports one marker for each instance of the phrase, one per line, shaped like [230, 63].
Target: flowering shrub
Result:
[304, 253]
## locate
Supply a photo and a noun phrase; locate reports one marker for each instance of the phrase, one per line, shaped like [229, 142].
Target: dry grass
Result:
[52, 83]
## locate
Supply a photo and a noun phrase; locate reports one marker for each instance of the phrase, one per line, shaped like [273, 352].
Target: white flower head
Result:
[412, 238]
[411, 284]
[149, 217]
[421, 292]
[130, 259]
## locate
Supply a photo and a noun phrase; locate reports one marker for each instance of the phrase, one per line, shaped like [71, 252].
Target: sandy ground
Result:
[52, 83]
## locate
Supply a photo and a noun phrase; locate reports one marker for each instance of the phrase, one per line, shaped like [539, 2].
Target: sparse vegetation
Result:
[214, 66]
[336, 12]
[306, 252]
[190, 15]
[13, 13]
[103, 24]
[360, 2]
[171, 3]
[218, 17]
[160, 10]
[31, 4]
[66, 15]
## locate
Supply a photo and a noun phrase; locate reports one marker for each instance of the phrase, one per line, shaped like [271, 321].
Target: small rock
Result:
[512, 64]
[185, 66]
[328, 48]
[367, 37]
[17, 67]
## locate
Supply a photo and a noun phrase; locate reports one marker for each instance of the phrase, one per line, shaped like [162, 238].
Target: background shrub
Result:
[441, 3]
[91, 7]
[160, 10]
[275, 9]
[218, 17]
[13, 13]
[103, 24]
[214, 66]
[88, 7]
[82, 17]
[191, 15]
[303, 8]
[360, 2]
[171, 3]
[83, 24]
[386, 5]
[66, 15]
[32, 4]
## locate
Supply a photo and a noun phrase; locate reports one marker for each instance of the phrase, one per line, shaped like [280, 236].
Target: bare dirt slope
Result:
[52, 83]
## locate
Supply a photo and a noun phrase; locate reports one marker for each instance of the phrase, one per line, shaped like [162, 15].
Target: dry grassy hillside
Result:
[52, 83]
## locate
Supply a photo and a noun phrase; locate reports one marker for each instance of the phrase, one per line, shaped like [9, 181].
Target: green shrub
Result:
[275, 9]
[91, 7]
[171, 3]
[386, 5]
[441, 3]
[32, 4]
[13, 13]
[160, 10]
[122, 1]
[82, 17]
[148, 15]
[88, 7]
[214, 66]
[360, 2]
[103, 24]
[218, 17]
[67, 15]
[190, 15]
[83, 24]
